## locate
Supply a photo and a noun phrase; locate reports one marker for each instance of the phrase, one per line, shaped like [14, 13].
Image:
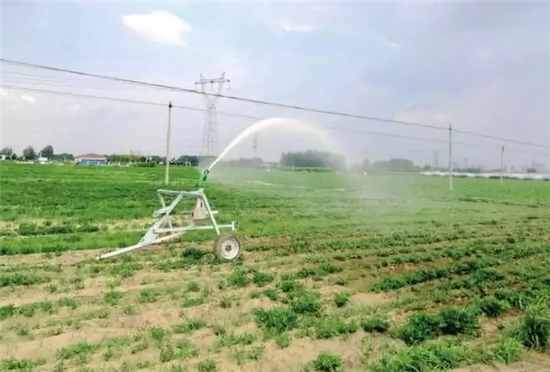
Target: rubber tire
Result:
[219, 247]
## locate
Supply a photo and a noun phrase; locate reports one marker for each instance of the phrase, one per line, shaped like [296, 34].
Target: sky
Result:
[480, 66]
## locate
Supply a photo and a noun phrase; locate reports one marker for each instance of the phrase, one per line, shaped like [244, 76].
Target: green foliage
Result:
[276, 320]
[458, 319]
[507, 350]
[148, 296]
[80, 351]
[283, 340]
[181, 350]
[342, 299]
[307, 303]
[492, 307]
[189, 326]
[193, 286]
[238, 279]
[158, 334]
[333, 326]
[437, 355]
[18, 279]
[113, 297]
[271, 294]
[327, 362]
[420, 327]
[261, 279]
[534, 329]
[207, 365]
[375, 324]
[68, 302]
[20, 365]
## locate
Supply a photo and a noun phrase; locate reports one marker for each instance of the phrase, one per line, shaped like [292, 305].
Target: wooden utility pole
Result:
[168, 132]
[450, 158]
[501, 164]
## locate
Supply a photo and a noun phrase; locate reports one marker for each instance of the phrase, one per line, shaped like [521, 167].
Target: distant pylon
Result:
[210, 132]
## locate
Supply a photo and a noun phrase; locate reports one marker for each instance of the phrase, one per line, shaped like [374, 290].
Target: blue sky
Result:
[481, 66]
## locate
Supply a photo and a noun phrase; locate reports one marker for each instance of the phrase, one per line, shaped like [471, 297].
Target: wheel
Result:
[227, 247]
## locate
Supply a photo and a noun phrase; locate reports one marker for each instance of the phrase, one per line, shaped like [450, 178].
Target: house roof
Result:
[90, 156]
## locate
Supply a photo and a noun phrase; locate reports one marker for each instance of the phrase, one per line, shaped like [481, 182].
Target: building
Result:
[91, 159]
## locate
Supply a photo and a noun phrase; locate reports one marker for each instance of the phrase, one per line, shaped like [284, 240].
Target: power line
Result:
[186, 90]
[300, 108]
[225, 113]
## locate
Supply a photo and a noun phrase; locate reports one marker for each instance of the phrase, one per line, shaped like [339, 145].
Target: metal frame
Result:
[162, 229]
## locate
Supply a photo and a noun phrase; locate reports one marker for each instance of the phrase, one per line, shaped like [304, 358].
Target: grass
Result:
[428, 270]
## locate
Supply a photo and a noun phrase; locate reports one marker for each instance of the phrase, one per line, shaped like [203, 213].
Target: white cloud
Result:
[159, 27]
[295, 27]
[4, 93]
[27, 98]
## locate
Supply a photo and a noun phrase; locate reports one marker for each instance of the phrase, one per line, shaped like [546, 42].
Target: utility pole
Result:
[255, 145]
[168, 131]
[501, 164]
[465, 163]
[436, 165]
[450, 158]
[211, 89]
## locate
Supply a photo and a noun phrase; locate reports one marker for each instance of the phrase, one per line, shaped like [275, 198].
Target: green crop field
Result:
[339, 272]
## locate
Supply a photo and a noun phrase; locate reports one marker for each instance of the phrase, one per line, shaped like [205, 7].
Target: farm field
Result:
[339, 272]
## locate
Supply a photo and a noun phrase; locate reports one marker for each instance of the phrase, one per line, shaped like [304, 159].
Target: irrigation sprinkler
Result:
[166, 219]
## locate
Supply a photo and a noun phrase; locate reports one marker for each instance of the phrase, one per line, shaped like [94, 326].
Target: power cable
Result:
[225, 113]
[327, 112]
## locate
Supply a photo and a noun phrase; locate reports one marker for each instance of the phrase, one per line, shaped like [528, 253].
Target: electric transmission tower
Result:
[211, 88]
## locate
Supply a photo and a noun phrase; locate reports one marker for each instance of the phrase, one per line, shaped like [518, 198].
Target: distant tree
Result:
[29, 153]
[193, 160]
[6, 151]
[531, 170]
[313, 159]
[63, 157]
[47, 152]
[427, 168]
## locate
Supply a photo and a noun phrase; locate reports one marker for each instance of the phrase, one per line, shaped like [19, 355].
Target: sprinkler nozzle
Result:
[202, 179]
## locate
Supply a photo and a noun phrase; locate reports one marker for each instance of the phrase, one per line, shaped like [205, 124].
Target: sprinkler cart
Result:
[226, 247]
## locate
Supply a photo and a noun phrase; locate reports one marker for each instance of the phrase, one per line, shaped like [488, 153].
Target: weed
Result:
[492, 307]
[251, 353]
[419, 328]
[68, 302]
[80, 351]
[231, 339]
[113, 297]
[534, 329]
[226, 302]
[51, 288]
[254, 295]
[192, 302]
[190, 326]
[193, 286]
[282, 340]
[455, 320]
[17, 279]
[22, 329]
[7, 311]
[431, 356]
[307, 303]
[332, 327]
[276, 320]
[158, 334]
[507, 350]
[21, 365]
[262, 279]
[327, 362]
[207, 365]
[271, 294]
[342, 299]
[291, 286]
[375, 324]
[148, 296]
[341, 281]
[238, 279]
